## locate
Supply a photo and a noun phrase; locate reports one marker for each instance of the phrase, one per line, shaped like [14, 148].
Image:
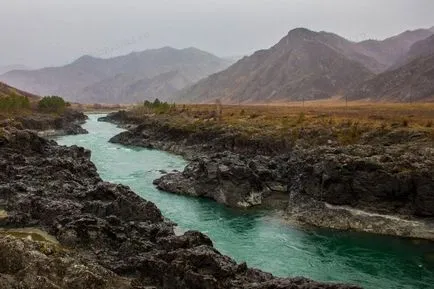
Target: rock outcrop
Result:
[39, 264]
[386, 189]
[361, 188]
[67, 123]
[156, 133]
[108, 236]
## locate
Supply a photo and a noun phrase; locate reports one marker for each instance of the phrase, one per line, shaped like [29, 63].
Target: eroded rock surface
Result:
[109, 231]
[386, 188]
[363, 188]
[67, 123]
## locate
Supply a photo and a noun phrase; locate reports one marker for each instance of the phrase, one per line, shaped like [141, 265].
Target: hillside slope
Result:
[90, 79]
[303, 65]
[6, 90]
[421, 48]
[388, 51]
[412, 82]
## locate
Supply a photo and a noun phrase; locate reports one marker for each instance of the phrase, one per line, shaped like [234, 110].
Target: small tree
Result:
[52, 104]
[157, 102]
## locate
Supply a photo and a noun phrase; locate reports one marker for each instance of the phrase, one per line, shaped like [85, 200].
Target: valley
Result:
[306, 163]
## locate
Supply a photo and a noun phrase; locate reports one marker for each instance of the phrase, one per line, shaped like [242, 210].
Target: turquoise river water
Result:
[259, 237]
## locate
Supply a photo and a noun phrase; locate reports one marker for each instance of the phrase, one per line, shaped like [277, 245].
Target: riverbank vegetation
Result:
[14, 102]
[315, 123]
[52, 104]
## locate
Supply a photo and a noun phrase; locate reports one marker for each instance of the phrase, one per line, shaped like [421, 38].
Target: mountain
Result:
[421, 48]
[163, 86]
[303, 65]
[387, 52]
[7, 68]
[90, 79]
[377, 56]
[411, 80]
[350, 50]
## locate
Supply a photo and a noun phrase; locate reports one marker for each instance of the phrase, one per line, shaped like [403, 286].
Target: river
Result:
[259, 237]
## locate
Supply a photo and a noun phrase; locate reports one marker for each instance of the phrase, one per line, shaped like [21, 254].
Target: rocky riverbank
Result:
[67, 123]
[64, 227]
[384, 186]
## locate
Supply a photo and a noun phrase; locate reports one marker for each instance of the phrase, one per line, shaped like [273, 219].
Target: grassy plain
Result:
[323, 121]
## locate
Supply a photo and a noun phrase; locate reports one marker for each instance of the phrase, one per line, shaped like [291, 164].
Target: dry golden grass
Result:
[320, 112]
[317, 122]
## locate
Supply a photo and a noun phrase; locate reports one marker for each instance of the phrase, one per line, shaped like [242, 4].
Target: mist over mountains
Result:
[304, 64]
[411, 79]
[311, 65]
[124, 79]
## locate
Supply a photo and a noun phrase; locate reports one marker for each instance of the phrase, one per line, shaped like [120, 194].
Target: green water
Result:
[259, 238]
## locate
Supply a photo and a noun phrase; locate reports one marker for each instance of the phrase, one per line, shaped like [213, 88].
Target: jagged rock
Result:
[389, 174]
[114, 231]
[363, 188]
[227, 178]
[68, 123]
[33, 264]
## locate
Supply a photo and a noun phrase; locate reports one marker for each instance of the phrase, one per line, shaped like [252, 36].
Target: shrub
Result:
[301, 118]
[13, 103]
[52, 104]
[350, 135]
[158, 106]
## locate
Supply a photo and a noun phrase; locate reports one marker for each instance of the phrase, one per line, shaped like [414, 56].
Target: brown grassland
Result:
[318, 120]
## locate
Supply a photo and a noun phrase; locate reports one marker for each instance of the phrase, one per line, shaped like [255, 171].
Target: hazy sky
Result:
[54, 32]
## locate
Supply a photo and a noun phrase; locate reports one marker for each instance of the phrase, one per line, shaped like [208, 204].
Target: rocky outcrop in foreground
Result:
[108, 237]
[386, 188]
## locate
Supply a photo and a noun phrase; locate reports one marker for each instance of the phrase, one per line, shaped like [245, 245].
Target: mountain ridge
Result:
[297, 67]
[83, 75]
[410, 80]
[304, 64]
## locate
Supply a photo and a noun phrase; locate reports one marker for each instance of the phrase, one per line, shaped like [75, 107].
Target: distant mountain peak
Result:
[297, 35]
[86, 59]
[301, 33]
[127, 78]
[302, 65]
